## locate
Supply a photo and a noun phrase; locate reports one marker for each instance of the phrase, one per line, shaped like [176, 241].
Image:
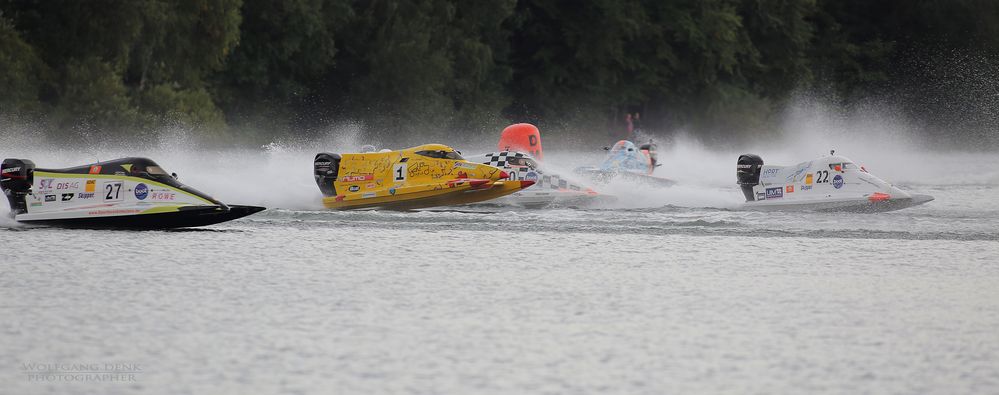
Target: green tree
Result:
[92, 96]
[22, 73]
[285, 51]
[421, 65]
[105, 54]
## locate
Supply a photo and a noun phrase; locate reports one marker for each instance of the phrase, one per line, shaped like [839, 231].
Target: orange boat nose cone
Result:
[504, 175]
[526, 183]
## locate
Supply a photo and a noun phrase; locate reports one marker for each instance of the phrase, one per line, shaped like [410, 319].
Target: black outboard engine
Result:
[16, 177]
[651, 149]
[747, 170]
[326, 167]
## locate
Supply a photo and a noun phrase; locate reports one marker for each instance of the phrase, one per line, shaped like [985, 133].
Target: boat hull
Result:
[604, 176]
[425, 196]
[858, 205]
[185, 217]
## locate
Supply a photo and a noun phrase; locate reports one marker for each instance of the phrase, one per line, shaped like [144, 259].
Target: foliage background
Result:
[720, 69]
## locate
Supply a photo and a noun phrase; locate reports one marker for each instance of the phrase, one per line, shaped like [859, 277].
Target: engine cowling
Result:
[652, 151]
[16, 177]
[326, 166]
[747, 172]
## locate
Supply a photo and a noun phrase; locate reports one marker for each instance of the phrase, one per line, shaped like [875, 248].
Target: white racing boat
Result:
[626, 161]
[549, 189]
[519, 154]
[832, 183]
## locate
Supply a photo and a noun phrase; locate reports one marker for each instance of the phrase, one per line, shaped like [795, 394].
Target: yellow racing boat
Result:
[429, 175]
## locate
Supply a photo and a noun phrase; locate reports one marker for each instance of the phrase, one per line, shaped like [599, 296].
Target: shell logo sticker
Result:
[808, 179]
[789, 189]
[91, 185]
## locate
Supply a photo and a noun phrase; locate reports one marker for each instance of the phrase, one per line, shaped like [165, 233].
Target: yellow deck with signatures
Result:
[424, 176]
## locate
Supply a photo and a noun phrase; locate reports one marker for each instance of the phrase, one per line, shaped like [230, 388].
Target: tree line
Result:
[238, 67]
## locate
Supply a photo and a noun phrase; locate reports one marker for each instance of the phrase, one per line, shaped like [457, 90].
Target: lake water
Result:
[667, 291]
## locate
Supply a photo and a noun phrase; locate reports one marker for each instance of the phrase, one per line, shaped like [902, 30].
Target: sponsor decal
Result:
[322, 163]
[362, 177]
[369, 195]
[354, 188]
[462, 174]
[808, 179]
[838, 181]
[95, 169]
[162, 194]
[67, 197]
[775, 193]
[85, 195]
[761, 196]
[68, 185]
[11, 170]
[392, 191]
[91, 185]
[141, 191]
[339, 198]
[50, 198]
[794, 177]
[531, 176]
[36, 204]
[114, 212]
[770, 172]
[464, 165]
[370, 185]
[45, 184]
[806, 187]
[789, 189]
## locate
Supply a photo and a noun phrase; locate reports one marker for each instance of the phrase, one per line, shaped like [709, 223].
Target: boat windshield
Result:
[842, 166]
[156, 170]
[527, 162]
[452, 155]
[152, 171]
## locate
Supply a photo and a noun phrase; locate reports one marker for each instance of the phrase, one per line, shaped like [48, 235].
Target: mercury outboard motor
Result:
[747, 170]
[326, 167]
[16, 177]
[653, 155]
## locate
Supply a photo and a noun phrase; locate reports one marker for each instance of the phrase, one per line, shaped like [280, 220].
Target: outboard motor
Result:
[326, 167]
[747, 170]
[16, 177]
[653, 155]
